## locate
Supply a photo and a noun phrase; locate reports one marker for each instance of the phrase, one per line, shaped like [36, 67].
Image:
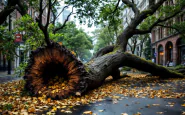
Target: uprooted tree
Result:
[53, 71]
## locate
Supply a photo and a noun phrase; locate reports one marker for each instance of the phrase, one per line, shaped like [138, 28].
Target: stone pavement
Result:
[4, 77]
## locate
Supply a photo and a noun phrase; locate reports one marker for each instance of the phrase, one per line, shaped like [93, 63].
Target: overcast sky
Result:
[83, 26]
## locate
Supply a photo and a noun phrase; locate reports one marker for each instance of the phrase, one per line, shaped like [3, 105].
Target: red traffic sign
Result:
[18, 38]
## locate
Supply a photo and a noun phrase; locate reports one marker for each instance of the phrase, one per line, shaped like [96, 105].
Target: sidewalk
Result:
[4, 77]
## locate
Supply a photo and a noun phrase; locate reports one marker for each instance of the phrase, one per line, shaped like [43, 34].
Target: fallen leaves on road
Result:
[14, 100]
[159, 112]
[88, 112]
[101, 110]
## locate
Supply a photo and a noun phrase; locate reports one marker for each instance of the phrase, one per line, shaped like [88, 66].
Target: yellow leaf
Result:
[183, 105]
[54, 108]
[88, 112]
[63, 107]
[116, 97]
[31, 110]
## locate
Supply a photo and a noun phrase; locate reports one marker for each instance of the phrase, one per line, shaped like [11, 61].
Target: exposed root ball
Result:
[54, 72]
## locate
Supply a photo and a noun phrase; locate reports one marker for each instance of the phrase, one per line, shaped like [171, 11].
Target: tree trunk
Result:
[55, 72]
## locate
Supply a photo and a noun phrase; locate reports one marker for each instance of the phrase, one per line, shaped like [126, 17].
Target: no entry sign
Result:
[18, 38]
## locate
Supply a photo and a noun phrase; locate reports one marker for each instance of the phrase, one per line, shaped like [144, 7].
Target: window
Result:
[160, 30]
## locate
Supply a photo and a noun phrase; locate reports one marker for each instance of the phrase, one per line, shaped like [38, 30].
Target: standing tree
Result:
[133, 43]
[56, 73]
[143, 40]
[147, 49]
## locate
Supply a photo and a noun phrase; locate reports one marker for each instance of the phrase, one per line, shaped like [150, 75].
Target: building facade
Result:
[168, 45]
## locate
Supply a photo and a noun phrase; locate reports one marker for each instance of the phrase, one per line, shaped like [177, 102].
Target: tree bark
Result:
[102, 67]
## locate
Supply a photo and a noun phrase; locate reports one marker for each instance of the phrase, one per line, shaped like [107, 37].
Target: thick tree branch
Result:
[159, 20]
[11, 6]
[7, 10]
[122, 39]
[53, 12]
[49, 3]
[132, 5]
[21, 8]
[103, 51]
[151, 2]
[40, 12]
[165, 26]
[43, 28]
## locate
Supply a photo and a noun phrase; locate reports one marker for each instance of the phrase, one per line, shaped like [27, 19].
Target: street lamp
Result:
[9, 61]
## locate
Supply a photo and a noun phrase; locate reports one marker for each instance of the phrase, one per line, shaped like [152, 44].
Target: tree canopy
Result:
[76, 40]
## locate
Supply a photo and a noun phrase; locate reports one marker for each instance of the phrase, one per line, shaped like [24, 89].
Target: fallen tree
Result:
[55, 72]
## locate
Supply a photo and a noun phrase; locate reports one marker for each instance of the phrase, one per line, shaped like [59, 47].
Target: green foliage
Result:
[33, 36]
[19, 71]
[148, 22]
[7, 42]
[54, 37]
[76, 40]
[98, 11]
[105, 36]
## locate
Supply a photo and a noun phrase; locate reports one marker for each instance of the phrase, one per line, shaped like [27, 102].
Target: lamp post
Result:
[9, 61]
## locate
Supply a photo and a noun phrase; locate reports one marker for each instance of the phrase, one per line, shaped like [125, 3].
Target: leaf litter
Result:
[14, 100]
